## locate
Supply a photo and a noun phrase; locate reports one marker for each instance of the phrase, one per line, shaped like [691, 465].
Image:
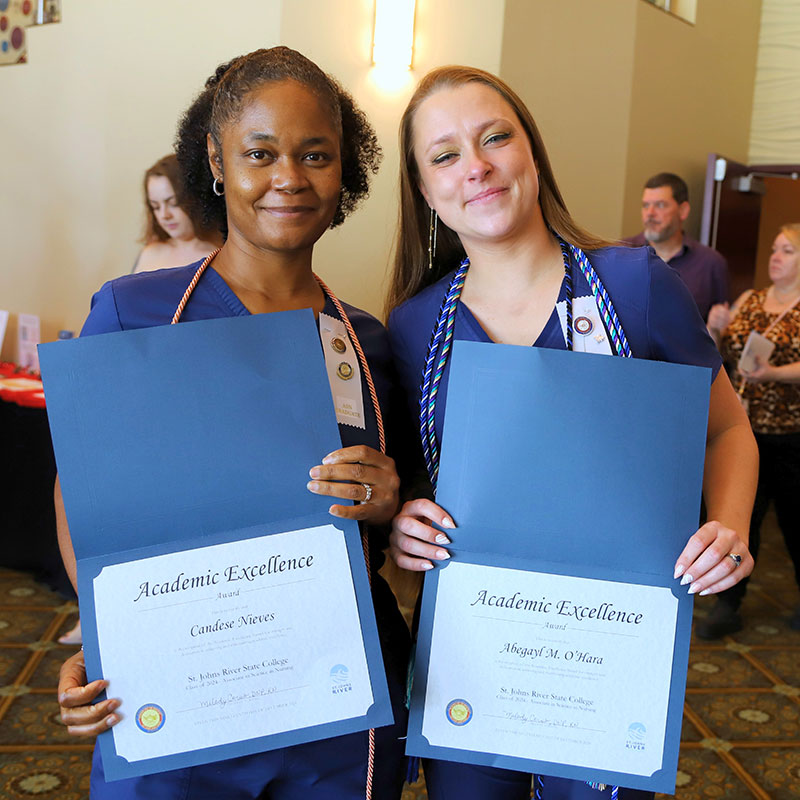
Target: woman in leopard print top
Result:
[772, 394]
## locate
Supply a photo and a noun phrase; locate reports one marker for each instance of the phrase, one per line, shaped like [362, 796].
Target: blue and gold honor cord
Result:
[442, 342]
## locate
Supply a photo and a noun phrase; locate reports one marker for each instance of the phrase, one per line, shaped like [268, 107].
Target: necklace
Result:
[442, 340]
[772, 294]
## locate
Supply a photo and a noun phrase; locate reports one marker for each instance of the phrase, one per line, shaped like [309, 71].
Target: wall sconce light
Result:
[393, 34]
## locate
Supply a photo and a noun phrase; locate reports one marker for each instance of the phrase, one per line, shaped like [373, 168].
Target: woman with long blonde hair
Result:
[487, 252]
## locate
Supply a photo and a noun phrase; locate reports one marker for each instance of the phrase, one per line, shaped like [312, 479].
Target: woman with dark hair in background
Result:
[273, 152]
[507, 252]
[771, 393]
[172, 236]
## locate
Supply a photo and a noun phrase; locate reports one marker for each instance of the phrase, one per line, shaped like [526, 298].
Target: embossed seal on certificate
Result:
[459, 712]
[344, 371]
[583, 325]
[637, 733]
[337, 343]
[340, 679]
[150, 718]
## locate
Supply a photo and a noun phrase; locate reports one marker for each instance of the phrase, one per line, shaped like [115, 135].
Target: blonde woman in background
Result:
[771, 394]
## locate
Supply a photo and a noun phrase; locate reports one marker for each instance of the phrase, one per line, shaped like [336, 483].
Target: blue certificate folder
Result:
[183, 436]
[599, 461]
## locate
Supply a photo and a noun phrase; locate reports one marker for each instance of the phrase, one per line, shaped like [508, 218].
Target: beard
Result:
[656, 237]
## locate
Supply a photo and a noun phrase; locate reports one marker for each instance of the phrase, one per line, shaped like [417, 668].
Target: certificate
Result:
[248, 639]
[551, 663]
[555, 640]
[225, 606]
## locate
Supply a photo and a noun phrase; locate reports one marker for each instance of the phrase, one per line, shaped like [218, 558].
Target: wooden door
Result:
[731, 215]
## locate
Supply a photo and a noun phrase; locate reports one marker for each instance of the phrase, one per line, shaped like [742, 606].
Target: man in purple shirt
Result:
[665, 208]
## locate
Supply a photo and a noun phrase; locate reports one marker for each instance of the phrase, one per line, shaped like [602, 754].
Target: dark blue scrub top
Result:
[148, 299]
[658, 315]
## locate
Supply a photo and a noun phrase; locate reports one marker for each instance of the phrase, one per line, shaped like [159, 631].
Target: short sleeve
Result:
[675, 330]
[103, 315]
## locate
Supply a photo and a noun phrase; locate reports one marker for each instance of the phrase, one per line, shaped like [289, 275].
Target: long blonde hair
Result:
[410, 273]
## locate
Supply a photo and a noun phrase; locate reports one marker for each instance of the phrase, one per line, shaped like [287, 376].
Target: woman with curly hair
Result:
[172, 237]
[273, 152]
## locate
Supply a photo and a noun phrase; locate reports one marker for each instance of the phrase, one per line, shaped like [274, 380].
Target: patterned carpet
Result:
[741, 731]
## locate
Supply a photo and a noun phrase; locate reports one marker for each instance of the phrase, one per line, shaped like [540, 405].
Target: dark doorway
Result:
[743, 207]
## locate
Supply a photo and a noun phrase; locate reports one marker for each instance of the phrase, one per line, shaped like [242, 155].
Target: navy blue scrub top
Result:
[658, 315]
[148, 299]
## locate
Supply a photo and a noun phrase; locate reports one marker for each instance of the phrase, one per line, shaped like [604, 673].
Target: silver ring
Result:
[736, 558]
[368, 490]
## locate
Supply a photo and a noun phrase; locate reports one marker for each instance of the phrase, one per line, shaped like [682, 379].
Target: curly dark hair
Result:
[221, 101]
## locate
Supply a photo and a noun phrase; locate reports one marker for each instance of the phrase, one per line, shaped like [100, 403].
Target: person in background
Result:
[172, 236]
[171, 240]
[474, 167]
[771, 394]
[665, 209]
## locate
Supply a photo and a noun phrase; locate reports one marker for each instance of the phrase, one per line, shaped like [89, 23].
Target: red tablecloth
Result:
[20, 387]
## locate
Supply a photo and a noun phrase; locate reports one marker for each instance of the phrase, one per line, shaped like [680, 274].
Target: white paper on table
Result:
[28, 336]
[3, 325]
[531, 682]
[188, 681]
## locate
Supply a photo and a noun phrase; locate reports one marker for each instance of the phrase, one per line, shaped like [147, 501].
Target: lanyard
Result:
[378, 418]
[442, 340]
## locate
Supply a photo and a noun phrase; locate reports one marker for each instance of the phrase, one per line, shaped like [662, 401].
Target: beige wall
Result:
[692, 95]
[572, 62]
[99, 100]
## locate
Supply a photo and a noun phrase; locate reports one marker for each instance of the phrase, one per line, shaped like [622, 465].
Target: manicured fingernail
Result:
[112, 720]
[448, 523]
[426, 565]
[692, 589]
[687, 578]
[314, 472]
[442, 539]
[705, 592]
[312, 486]
[679, 571]
[442, 555]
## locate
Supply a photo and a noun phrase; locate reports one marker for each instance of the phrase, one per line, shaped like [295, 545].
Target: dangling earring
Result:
[218, 191]
[433, 229]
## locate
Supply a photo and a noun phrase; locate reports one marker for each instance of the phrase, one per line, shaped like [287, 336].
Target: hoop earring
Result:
[433, 230]
[215, 189]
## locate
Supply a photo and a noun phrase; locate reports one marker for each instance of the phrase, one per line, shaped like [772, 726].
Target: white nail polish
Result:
[448, 523]
[679, 571]
[442, 539]
[687, 578]
[705, 592]
[692, 589]
[426, 565]
[442, 555]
